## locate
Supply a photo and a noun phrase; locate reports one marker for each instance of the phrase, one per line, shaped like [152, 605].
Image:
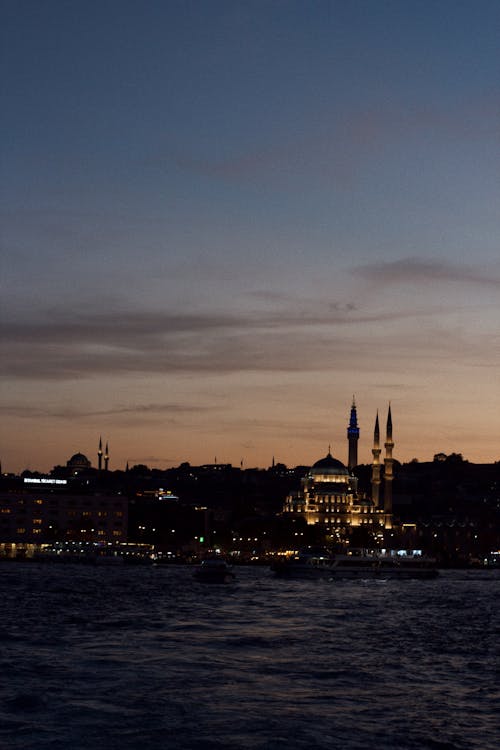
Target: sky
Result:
[221, 220]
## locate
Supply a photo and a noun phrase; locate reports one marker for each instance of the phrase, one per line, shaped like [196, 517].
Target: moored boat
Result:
[357, 564]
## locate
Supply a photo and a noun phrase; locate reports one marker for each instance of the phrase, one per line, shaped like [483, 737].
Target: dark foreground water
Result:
[145, 658]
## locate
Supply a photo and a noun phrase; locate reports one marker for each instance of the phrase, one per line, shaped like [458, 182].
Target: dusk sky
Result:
[220, 220]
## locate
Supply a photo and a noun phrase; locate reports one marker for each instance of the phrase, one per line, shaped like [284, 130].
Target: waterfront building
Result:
[43, 513]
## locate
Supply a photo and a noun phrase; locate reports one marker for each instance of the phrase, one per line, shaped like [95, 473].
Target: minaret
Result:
[106, 458]
[376, 465]
[388, 462]
[99, 455]
[353, 437]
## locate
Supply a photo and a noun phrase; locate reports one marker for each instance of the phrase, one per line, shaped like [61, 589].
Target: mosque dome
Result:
[329, 465]
[78, 461]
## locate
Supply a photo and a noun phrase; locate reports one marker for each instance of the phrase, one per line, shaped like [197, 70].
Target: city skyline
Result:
[380, 451]
[222, 220]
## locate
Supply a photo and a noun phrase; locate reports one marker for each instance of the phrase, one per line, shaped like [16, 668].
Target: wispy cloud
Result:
[418, 270]
[342, 142]
[71, 412]
[299, 337]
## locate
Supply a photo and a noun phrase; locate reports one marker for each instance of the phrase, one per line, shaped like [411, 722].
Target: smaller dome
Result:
[364, 501]
[78, 461]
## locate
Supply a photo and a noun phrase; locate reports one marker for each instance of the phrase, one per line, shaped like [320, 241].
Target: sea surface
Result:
[144, 658]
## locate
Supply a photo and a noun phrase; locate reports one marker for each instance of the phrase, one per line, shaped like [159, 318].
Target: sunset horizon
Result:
[222, 220]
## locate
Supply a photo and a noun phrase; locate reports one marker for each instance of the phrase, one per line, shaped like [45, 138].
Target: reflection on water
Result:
[147, 658]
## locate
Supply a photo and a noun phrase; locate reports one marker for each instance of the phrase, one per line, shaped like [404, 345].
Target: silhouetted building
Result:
[78, 463]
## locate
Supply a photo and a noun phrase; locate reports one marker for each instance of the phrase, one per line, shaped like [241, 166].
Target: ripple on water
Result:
[141, 658]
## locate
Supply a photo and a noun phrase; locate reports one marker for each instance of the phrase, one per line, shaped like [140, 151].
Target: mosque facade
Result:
[329, 495]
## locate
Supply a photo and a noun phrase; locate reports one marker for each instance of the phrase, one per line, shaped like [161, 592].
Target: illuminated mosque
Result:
[329, 492]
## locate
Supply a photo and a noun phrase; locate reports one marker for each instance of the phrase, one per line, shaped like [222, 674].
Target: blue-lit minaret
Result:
[353, 437]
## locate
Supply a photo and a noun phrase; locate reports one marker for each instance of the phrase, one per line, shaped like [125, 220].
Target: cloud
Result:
[120, 333]
[337, 143]
[418, 270]
[71, 413]
[303, 336]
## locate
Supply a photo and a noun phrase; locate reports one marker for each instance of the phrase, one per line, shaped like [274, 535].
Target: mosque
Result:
[80, 464]
[329, 492]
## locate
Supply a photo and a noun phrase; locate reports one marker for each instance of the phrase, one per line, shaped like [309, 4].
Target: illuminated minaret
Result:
[353, 437]
[99, 455]
[376, 465]
[388, 461]
[106, 458]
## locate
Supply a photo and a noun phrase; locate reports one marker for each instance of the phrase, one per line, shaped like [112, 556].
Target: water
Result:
[147, 659]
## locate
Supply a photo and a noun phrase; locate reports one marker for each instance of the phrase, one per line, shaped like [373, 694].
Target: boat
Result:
[357, 564]
[213, 570]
